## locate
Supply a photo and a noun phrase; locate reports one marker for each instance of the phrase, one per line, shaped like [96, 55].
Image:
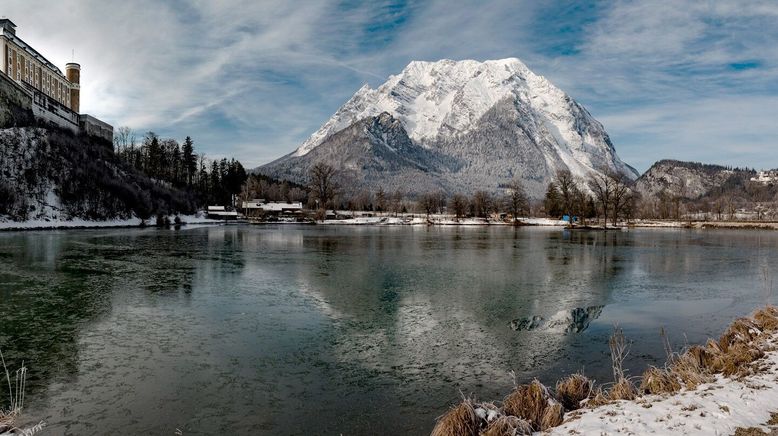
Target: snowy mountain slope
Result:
[485, 121]
[373, 146]
[689, 180]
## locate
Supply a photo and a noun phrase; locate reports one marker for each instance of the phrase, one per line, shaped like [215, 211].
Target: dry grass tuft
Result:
[690, 368]
[698, 356]
[736, 361]
[552, 416]
[767, 318]
[622, 390]
[573, 389]
[461, 420]
[741, 331]
[6, 421]
[659, 381]
[750, 431]
[508, 426]
[598, 398]
[528, 402]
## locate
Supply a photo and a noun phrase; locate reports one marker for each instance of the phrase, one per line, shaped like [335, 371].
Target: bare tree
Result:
[396, 202]
[620, 195]
[458, 205]
[322, 183]
[380, 200]
[567, 188]
[122, 138]
[602, 187]
[482, 204]
[516, 200]
[429, 203]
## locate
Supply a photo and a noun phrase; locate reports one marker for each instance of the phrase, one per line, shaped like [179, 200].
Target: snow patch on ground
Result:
[53, 223]
[716, 408]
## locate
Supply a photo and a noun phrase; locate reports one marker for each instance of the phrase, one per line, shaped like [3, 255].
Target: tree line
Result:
[608, 198]
[214, 181]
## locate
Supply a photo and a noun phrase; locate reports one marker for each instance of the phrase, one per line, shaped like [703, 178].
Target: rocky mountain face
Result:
[689, 180]
[458, 126]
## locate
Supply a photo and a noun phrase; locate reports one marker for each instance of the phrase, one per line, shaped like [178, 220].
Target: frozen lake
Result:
[352, 330]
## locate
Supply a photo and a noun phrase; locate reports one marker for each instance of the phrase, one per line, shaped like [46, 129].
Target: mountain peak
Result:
[434, 98]
[470, 112]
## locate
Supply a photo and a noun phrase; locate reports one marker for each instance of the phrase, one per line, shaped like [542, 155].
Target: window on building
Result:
[10, 63]
[18, 66]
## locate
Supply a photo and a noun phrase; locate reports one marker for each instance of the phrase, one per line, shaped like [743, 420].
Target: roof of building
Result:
[18, 41]
[5, 22]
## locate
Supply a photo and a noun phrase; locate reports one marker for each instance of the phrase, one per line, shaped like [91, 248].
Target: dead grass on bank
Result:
[535, 404]
[532, 407]
[659, 381]
[573, 389]
[507, 425]
[16, 388]
[461, 420]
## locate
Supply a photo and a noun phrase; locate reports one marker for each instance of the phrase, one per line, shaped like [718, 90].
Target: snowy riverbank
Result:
[44, 224]
[716, 408]
[438, 220]
[727, 386]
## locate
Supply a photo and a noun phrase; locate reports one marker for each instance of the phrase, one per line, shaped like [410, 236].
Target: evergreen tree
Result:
[189, 161]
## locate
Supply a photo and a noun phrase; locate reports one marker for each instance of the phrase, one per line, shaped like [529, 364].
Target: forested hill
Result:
[48, 173]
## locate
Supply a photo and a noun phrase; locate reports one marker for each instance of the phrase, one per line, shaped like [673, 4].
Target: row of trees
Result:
[324, 192]
[259, 186]
[608, 197]
[214, 181]
[601, 195]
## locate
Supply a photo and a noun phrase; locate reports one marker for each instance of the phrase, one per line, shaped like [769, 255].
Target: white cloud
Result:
[254, 78]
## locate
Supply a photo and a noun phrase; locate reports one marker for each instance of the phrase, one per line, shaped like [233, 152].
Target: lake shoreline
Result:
[727, 386]
[408, 220]
[79, 224]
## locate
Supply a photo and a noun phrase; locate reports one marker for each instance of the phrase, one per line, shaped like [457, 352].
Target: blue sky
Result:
[253, 79]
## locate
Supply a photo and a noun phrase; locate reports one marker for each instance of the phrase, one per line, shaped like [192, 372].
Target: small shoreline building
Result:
[54, 97]
[275, 208]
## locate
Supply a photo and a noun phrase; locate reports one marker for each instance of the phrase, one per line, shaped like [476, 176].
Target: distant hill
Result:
[691, 180]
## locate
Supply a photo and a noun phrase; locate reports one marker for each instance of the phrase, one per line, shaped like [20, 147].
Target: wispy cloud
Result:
[691, 80]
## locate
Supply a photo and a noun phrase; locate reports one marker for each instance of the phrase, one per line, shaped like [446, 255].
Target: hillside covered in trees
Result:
[51, 174]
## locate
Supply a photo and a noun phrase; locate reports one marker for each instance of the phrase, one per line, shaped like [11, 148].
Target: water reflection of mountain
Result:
[438, 300]
[565, 321]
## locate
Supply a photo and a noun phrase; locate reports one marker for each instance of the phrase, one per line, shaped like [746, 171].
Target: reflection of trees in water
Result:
[55, 283]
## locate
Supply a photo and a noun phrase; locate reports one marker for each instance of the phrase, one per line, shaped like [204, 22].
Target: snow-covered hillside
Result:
[483, 123]
[689, 180]
[52, 176]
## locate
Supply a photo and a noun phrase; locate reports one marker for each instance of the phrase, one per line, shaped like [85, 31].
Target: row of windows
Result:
[30, 72]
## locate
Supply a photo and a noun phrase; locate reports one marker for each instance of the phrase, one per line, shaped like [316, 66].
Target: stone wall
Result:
[94, 127]
[51, 111]
[15, 104]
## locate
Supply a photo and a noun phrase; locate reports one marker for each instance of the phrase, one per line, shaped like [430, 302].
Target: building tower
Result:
[73, 74]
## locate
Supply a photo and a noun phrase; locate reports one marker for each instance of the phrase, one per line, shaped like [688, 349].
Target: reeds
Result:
[16, 389]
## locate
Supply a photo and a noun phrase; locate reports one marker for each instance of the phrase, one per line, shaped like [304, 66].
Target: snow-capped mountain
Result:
[471, 125]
